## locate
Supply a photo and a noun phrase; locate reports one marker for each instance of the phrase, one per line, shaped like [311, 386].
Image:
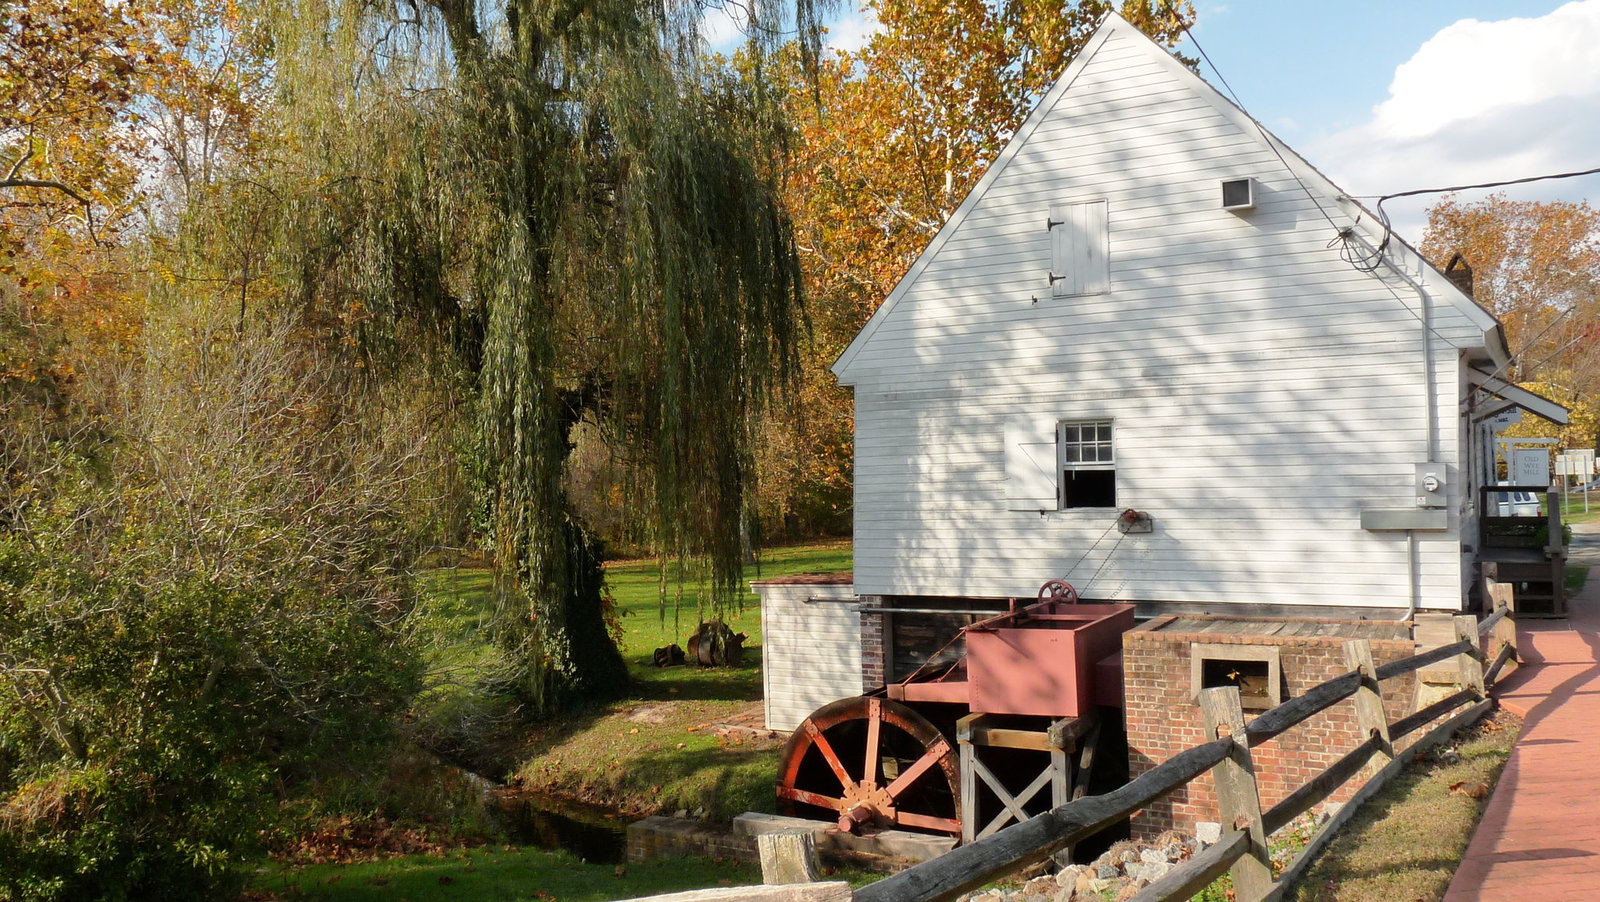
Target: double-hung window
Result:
[1087, 462]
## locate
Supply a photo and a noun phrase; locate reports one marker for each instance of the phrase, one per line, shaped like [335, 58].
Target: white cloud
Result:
[1479, 102]
[722, 27]
[851, 31]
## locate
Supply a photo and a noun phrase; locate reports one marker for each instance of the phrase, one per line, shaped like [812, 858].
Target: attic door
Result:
[1078, 255]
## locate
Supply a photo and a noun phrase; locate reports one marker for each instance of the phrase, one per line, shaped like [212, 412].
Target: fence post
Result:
[1369, 699]
[1237, 794]
[1505, 632]
[1471, 666]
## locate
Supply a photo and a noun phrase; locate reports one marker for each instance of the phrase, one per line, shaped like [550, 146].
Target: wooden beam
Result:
[1308, 855]
[1471, 664]
[1286, 715]
[1238, 797]
[834, 891]
[1418, 661]
[1319, 787]
[1373, 722]
[1188, 879]
[972, 865]
[1409, 724]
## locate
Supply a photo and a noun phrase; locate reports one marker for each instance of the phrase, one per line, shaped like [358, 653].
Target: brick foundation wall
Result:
[1163, 718]
[872, 650]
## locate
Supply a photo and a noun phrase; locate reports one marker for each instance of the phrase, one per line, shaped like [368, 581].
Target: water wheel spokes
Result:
[871, 761]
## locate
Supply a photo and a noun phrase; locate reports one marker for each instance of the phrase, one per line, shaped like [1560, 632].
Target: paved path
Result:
[1540, 837]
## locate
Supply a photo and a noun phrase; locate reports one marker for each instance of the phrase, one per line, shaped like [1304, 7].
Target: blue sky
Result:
[1387, 97]
[1393, 95]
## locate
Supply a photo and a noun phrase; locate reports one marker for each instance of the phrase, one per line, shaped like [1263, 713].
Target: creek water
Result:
[586, 832]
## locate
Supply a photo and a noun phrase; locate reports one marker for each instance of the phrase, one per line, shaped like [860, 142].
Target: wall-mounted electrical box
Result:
[1239, 194]
[1431, 485]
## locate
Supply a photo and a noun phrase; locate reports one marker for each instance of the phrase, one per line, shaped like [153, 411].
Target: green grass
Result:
[497, 873]
[656, 750]
[1572, 508]
[1407, 842]
[1577, 574]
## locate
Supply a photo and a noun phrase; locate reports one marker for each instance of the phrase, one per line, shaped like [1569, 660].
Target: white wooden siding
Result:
[1264, 391]
[812, 650]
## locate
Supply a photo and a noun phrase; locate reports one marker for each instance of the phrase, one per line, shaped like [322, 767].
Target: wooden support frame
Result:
[1058, 741]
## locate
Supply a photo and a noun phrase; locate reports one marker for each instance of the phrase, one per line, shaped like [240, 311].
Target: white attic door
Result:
[1078, 255]
[1030, 464]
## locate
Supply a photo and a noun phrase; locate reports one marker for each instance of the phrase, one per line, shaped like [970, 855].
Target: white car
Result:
[1518, 504]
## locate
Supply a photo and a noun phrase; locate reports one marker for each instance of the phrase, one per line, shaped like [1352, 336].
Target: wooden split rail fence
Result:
[1242, 850]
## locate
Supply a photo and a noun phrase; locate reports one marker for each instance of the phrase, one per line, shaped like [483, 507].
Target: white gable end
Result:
[1263, 391]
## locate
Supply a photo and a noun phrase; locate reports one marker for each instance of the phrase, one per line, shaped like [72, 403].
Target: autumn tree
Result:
[1536, 266]
[884, 146]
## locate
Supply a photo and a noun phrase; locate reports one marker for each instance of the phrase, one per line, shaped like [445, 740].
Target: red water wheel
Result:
[871, 761]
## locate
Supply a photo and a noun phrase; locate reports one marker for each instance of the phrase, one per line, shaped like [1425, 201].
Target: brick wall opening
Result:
[1162, 673]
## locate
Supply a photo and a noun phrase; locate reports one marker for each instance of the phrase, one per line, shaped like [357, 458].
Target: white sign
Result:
[1505, 418]
[1579, 462]
[1530, 466]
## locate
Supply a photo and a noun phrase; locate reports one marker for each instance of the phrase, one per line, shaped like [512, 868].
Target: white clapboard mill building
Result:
[1150, 304]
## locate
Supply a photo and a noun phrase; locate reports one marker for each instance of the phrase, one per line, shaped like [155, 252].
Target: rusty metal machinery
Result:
[1025, 686]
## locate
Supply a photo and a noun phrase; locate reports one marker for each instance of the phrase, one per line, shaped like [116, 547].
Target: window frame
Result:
[1078, 464]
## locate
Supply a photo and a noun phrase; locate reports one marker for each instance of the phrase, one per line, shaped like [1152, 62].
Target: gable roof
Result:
[1362, 224]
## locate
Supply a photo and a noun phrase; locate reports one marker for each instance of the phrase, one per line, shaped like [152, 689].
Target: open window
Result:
[1257, 671]
[1060, 464]
[1088, 464]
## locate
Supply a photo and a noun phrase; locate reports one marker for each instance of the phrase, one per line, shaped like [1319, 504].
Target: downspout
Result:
[1431, 425]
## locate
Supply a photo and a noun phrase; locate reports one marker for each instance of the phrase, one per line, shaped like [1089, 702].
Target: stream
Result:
[533, 820]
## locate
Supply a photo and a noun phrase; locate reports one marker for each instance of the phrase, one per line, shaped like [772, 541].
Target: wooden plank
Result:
[1007, 738]
[1374, 723]
[1411, 723]
[1418, 661]
[1319, 787]
[971, 865]
[789, 857]
[1493, 673]
[833, 891]
[1286, 715]
[1308, 855]
[1471, 660]
[1238, 798]
[1188, 879]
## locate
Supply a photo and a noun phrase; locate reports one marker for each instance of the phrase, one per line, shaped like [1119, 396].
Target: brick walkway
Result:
[1540, 837]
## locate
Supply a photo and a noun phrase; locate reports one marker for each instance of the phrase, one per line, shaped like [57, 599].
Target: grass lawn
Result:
[504, 872]
[1572, 508]
[1577, 575]
[657, 750]
[654, 751]
[1407, 842]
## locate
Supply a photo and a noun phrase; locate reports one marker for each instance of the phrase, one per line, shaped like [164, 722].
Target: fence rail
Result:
[1243, 848]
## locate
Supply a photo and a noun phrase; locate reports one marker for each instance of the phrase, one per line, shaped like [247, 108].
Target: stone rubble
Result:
[1127, 867]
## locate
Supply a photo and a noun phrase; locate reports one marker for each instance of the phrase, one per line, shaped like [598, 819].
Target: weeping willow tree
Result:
[557, 198]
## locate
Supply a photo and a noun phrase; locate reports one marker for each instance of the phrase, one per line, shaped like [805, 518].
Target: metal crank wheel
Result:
[1058, 590]
[871, 761]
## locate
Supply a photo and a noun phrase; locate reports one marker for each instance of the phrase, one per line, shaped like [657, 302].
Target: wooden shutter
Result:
[1030, 465]
[1079, 249]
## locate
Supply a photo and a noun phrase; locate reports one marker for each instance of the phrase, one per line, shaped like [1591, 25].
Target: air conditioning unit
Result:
[1239, 194]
